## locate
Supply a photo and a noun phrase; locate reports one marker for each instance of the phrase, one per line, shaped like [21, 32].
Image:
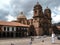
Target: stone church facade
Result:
[41, 20]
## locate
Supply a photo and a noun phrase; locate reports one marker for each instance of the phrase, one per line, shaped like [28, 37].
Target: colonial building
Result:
[39, 25]
[13, 29]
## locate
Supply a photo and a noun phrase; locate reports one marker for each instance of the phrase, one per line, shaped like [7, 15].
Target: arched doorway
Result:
[46, 29]
[32, 31]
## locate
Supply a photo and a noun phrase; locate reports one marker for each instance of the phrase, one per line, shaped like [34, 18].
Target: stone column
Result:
[27, 31]
[40, 31]
[37, 12]
[10, 29]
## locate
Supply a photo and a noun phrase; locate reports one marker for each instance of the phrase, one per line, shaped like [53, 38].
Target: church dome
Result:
[37, 5]
[47, 10]
[21, 16]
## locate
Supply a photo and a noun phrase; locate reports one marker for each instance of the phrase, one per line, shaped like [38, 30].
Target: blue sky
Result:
[10, 9]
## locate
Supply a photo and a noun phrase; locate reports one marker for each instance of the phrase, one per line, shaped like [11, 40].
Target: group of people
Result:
[52, 38]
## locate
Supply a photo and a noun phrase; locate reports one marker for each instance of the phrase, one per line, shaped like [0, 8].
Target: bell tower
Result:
[37, 10]
[38, 18]
[47, 14]
[47, 21]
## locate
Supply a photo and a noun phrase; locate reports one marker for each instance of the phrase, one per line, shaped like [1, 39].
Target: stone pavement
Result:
[47, 41]
[26, 41]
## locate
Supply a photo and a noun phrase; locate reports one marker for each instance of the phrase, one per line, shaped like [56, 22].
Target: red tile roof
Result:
[12, 24]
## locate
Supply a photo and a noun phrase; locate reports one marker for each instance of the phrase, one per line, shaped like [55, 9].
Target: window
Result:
[35, 19]
[12, 28]
[16, 28]
[7, 28]
[35, 12]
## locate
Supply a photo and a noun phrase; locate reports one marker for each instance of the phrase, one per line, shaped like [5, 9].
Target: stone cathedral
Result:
[41, 20]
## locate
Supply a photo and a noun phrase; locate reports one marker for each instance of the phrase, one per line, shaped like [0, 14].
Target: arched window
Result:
[12, 28]
[35, 12]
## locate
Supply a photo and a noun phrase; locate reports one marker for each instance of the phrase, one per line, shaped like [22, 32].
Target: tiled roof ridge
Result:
[12, 23]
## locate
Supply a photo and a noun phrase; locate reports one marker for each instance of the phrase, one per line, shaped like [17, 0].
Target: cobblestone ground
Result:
[26, 41]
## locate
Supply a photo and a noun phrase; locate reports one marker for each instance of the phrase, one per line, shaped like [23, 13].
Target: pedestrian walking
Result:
[31, 40]
[53, 37]
[30, 43]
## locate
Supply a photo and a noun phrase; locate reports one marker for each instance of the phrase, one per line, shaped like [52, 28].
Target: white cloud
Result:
[30, 15]
[3, 3]
[10, 18]
[56, 19]
[56, 15]
[15, 6]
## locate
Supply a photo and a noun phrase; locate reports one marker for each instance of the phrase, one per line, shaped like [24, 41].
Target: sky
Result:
[10, 9]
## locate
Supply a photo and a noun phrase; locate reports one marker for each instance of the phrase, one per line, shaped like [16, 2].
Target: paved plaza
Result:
[26, 41]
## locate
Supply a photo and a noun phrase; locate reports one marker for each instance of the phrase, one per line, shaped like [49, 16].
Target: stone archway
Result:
[46, 29]
[32, 31]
